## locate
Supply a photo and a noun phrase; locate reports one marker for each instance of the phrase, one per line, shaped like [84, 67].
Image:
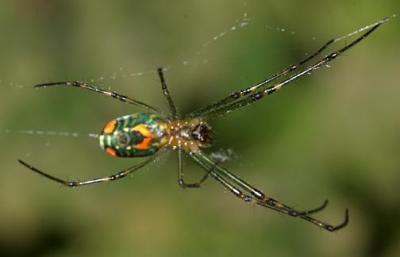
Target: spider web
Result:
[193, 61]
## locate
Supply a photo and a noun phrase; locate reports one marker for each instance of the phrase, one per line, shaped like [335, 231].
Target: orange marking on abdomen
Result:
[111, 151]
[146, 133]
[144, 144]
[110, 126]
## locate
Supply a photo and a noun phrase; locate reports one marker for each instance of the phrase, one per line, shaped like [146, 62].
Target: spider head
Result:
[202, 133]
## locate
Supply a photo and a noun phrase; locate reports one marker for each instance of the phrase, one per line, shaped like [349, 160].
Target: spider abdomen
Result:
[134, 135]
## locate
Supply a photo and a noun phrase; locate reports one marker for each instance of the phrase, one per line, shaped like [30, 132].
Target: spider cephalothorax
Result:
[189, 134]
[144, 134]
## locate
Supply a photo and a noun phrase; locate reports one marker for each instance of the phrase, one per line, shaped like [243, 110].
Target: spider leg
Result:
[166, 93]
[243, 92]
[116, 176]
[105, 92]
[181, 180]
[228, 180]
[258, 194]
[257, 92]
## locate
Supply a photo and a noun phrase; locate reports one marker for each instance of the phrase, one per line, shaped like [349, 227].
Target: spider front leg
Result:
[244, 92]
[255, 93]
[166, 93]
[181, 181]
[114, 177]
[234, 183]
[95, 89]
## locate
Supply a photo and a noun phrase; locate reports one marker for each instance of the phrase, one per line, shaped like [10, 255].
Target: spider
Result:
[146, 133]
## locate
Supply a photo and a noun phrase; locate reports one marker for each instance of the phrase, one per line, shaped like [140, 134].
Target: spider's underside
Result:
[146, 134]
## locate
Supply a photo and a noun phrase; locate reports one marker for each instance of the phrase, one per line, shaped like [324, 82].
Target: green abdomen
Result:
[135, 135]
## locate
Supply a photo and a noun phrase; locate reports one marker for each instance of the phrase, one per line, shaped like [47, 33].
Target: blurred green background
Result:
[334, 134]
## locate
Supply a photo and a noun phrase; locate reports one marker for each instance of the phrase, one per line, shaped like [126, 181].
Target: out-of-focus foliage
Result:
[334, 134]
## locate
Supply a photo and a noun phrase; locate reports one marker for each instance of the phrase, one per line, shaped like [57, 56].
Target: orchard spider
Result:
[145, 134]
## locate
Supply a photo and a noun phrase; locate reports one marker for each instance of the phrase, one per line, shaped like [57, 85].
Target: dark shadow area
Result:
[49, 239]
[381, 216]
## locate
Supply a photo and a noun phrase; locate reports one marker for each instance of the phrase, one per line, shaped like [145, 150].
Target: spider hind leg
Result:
[248, 193]
[72, 184]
